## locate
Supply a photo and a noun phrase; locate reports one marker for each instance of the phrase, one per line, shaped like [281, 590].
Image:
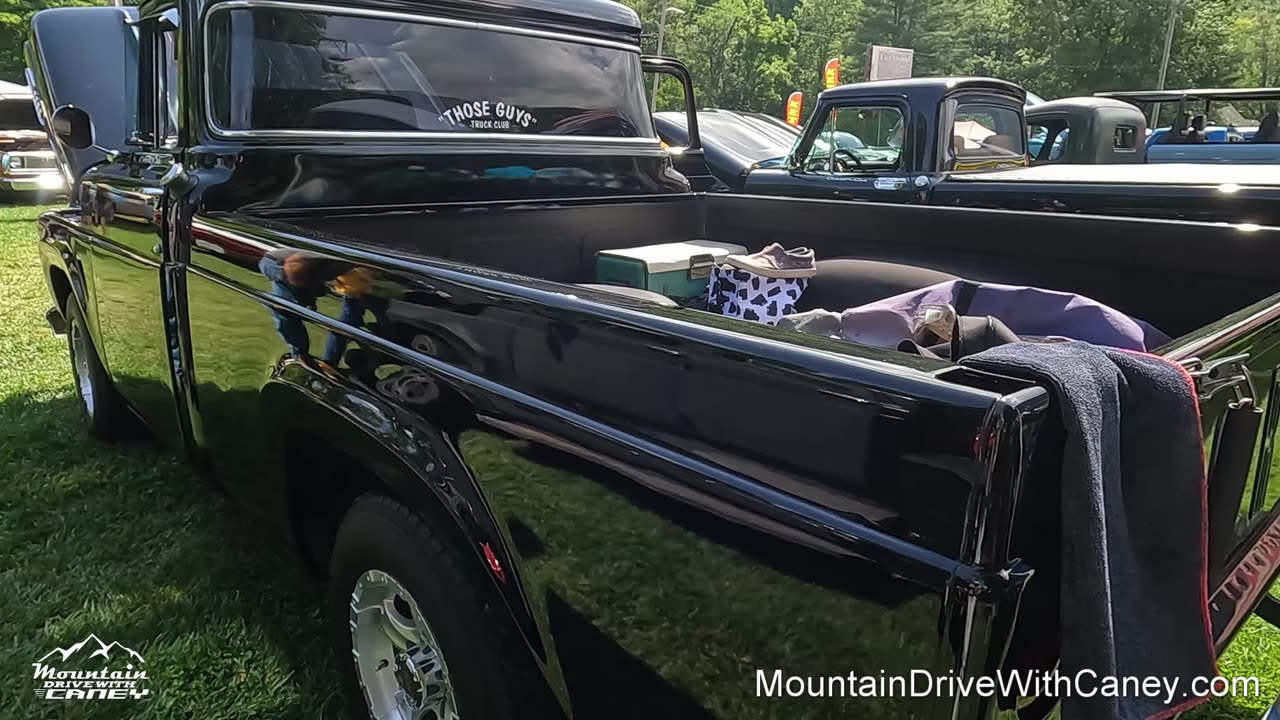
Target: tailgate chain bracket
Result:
[1213, 376]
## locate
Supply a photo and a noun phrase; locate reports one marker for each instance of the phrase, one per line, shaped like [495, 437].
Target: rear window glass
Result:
[1126, 137]
[284, 69]
[987, 131]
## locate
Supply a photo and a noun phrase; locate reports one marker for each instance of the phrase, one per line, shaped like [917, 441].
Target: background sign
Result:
[889, 63]
[795, 101]
[831, 73]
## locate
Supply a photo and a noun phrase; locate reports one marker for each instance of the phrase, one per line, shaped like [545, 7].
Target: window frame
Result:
[217, 131]
[800, 155]
[154, 92]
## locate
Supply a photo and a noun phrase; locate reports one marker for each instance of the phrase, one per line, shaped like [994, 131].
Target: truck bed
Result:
[491, 288]
[1157, 271]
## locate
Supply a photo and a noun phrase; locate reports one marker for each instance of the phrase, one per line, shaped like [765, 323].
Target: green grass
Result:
[128, 544]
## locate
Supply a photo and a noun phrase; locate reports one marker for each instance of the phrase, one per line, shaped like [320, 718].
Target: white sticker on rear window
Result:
[488, 115]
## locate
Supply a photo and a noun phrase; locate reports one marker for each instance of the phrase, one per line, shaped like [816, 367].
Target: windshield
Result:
[289, 69]
[18, 114]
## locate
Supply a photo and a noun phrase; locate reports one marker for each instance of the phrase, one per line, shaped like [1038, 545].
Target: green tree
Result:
[1256, 31]
[741, 56]
[824, 29]
[921, 25]
[15, 19]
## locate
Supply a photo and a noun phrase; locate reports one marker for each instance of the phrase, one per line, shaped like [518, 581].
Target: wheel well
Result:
[61, 286]
[322, 482]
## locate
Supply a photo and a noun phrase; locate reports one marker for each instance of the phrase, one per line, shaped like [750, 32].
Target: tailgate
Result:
[1234, 363]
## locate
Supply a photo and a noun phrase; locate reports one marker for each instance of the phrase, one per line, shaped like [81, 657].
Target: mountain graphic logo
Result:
[98, 648]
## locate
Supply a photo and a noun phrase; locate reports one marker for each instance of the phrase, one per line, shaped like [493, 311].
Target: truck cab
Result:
[887, 140]
[1086, 131]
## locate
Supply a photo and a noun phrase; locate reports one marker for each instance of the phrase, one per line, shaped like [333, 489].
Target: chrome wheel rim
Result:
[398, 661]
[80, 359]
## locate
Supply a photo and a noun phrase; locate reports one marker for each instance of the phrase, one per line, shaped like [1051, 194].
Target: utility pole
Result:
[1164, 61]
[662, 29]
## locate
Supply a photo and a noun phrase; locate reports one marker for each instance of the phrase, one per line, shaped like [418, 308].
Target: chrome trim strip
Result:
[530, 204]
[1209, 343]
[228, 5]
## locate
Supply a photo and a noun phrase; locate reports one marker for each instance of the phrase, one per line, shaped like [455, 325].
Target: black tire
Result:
[107, 414]
[379, 533]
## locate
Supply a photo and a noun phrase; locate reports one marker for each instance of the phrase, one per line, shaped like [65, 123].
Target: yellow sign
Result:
[831, 73]
[794, 103]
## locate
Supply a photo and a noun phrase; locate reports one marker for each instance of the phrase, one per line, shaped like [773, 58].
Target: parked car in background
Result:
[1246, 131]
[1086, 131]
[27, 163]
[733, 142]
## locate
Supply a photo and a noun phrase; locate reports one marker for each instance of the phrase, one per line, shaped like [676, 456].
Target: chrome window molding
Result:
[229, 5]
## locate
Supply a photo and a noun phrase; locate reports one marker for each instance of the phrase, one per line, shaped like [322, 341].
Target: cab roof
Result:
[939, 86]
[604, 15]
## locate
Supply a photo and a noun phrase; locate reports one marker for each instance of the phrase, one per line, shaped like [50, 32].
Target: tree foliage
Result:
[1055, 48]
[15, 16]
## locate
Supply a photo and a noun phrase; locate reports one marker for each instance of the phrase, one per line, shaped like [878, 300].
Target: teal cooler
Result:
[677, 270]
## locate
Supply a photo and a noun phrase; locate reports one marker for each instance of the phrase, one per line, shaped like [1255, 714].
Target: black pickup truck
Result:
[962, 142]
[342, 258]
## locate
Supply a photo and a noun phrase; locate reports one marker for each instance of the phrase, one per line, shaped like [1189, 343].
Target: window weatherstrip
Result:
[229, 5]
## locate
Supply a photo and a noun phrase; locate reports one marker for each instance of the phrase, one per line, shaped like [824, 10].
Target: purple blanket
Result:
[1027, 311]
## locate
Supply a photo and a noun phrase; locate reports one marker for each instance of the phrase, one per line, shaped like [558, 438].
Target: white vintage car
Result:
[27, 163]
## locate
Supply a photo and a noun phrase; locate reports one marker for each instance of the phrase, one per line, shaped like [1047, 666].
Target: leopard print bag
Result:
[738, 293]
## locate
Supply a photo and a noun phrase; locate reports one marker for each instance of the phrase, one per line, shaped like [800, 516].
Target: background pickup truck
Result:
[962, 142]
[1194, 138]
[366, 309]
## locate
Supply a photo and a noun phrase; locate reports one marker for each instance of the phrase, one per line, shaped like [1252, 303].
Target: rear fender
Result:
[416, 463]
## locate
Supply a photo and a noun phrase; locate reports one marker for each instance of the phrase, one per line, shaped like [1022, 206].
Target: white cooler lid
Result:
[675, 256]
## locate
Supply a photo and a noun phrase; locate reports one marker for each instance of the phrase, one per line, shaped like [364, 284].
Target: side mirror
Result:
[72, 127]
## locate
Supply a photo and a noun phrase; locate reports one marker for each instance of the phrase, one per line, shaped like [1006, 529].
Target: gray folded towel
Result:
[1134, 595]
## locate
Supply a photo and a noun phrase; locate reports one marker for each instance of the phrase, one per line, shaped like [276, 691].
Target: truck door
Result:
[850, 151]
[121, 185]
[128, 202]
